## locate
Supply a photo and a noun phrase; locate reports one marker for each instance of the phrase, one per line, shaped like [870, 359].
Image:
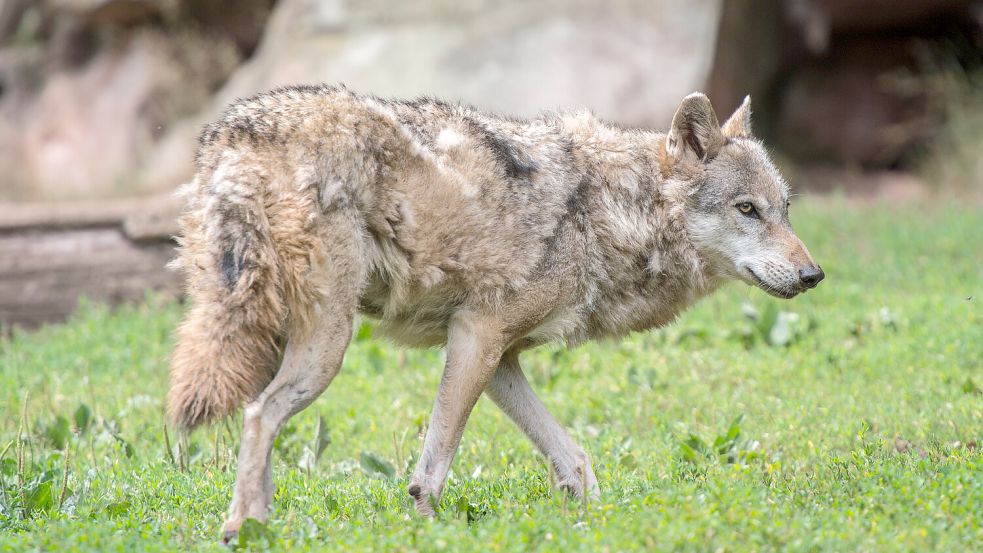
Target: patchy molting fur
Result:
[312, 203]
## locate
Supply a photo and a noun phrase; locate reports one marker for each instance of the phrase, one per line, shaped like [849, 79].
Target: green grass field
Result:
[848, 419]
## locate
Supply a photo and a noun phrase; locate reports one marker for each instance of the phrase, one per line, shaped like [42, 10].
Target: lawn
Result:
[848, 419]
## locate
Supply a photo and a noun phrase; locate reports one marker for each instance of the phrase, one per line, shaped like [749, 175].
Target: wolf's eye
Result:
[747, 208]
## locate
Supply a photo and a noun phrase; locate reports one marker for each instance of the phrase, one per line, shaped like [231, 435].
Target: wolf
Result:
[484, 234]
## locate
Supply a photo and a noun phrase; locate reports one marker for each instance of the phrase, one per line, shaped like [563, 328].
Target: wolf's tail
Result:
[245, 258]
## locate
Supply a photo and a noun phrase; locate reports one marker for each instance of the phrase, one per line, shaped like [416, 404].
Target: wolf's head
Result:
[737, 211]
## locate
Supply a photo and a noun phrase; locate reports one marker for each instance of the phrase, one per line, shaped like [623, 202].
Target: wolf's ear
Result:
[738, 125]
[695, 133]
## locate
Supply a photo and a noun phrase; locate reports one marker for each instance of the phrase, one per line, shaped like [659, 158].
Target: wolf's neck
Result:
[648, 269]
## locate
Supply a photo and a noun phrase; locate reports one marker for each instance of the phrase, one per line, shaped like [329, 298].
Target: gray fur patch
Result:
[231, 266]
[515, 163]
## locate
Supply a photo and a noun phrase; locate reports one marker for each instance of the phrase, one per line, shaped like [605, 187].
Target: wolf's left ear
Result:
[738, 125]
[695, 133]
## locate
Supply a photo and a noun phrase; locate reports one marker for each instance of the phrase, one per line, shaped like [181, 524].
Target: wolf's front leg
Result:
[474, 347]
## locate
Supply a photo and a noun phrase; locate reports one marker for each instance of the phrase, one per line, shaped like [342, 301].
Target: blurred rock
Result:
[107, 251]
[630, 61]
[751, 48]
[850, 16]
[243, 21]
[118, 12]
[106, 97]
[11, 13]
[89, 87]
[853, 105]
[840, 81]
[84, 130]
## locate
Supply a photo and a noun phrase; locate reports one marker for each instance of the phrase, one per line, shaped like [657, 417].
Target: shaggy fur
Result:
[451, 227]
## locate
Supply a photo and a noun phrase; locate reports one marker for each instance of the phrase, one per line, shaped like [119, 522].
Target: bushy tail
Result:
[244, 285]
[218, 363]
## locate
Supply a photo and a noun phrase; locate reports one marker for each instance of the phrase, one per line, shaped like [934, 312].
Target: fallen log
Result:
[52, 254]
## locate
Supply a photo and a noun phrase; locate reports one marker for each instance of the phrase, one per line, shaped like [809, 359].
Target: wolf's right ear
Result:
[738, 125]
[695, 134]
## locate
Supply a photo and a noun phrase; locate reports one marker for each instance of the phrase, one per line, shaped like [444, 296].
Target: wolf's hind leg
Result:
[510, 390]
[311, 360]
[309, 365]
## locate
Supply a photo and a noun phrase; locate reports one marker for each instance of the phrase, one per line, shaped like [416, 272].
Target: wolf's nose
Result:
[810, 276]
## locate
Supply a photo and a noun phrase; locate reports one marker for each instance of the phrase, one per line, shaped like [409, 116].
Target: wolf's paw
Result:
[424, 501]
[579, 480]
[577, 490]
[229, 537]
[230, 531]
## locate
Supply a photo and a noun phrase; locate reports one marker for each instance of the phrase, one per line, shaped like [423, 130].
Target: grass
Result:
[849, 419]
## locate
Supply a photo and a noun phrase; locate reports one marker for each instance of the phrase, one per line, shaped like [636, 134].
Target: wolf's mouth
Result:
[784, 293]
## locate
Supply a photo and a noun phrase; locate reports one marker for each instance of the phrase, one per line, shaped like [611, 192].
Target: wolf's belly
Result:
[418, 321]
